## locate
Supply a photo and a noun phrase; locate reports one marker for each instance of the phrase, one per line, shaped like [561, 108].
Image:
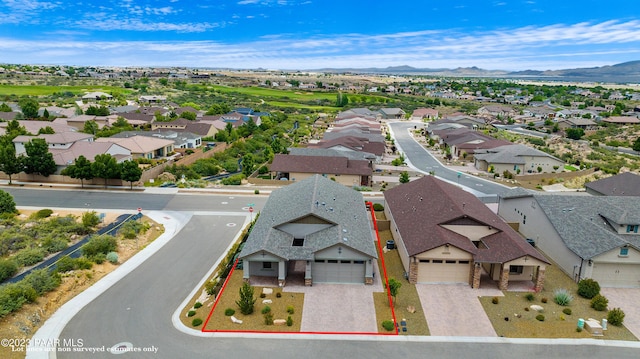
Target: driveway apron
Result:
[627, 300]
[454, 310]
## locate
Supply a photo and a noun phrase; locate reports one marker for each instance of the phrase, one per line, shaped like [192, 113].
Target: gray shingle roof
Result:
[510, 154]
[327, 152]
[624, 184]
[581, 221]
[326, 200]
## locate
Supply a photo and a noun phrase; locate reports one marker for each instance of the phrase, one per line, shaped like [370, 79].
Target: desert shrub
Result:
[540, 317]
[28, 257]
[599, 303]
[578, 329]
[266, 309]
[279, 295]
[246, 301]
[588, 288]
[99, 244]
[233, 180]
[615, 317]
[7, 269]
[90, 219]
[53, 245]
[210, 287]
[229, 312]
[43, 213]
[42, 281]
[98, 258]
[290, 309]
[495, 300]
[567, 311]
[268, 318]
[67, 264]
[197, 305]
[388, 325]
[13, 296]
[191, 313]
[378, 207]
[131, 229]
[112, 257]
[562, 297]
[530, 297]
[289, 321]
[262, 295]
[544, 300]
[196, 322]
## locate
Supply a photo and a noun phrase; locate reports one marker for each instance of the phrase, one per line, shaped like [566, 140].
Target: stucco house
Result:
[317, 224]
[143, 146]
[343, 170]
[587, 236]
[517, 159]
[446, 235]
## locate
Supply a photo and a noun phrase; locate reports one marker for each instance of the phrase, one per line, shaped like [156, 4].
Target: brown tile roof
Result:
[354, 143]
[320, 165]
[420, 209]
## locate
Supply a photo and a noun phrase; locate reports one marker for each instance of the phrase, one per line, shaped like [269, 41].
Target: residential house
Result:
[143, 146]
[342, 169]
[358, 112]
[497, 111]
[587, 236]
[577, 122]
[203, 128]
[62, 140]
[424, 114]
[517, 159]
[621, 120]
[317, 225]
[96, 96]
[182, 139]
[624, 184]
[32, 126]
[353, 143]
[447, 235]
[64, 157]
[392, 113]
[152, 99]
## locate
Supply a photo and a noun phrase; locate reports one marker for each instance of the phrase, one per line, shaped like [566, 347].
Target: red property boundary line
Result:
[386, 281]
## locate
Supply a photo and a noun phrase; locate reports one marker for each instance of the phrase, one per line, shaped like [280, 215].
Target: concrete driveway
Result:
[331, 308]
[454, 310]
[627, 300]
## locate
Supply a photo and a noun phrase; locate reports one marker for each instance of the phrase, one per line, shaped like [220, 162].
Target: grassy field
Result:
[43, 90]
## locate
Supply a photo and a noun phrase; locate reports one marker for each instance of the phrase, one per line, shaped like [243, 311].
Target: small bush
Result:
[562, 297]
[197, 305]
[229, 312]
[100, 244]
[290, 309]
[567, 311]
[615, 317]
[278, 295]
[378, 207]
[268, 318]
[495, 300]
[7, 269]
[588, 288]
[540, 317]
[196, 322]
[544, 300]
[90, 219]
[526, 309]
[112, 257]
[530, 297]
[578, 329]
[256, 191]
[289, 321]
[99, 258]
[266, 309]
[599, 303]
[388, 325]
[28, 257]
[262, 295]
[210, 287]
[43, 213]
[191, 313]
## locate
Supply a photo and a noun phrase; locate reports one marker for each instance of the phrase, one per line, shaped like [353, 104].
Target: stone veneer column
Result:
[413, 272]
[504, 278]
[475, 272]
[308, 282]
[368, 280]
[539, 279]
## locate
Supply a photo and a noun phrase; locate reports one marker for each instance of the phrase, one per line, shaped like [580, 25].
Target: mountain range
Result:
[627, 72]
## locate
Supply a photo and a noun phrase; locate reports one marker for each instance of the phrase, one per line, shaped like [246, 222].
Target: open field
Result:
[43, 90]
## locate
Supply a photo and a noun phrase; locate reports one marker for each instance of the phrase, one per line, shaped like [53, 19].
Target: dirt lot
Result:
[24, 323]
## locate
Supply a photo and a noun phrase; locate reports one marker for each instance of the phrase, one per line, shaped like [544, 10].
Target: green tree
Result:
[191, 116]
[394, 287]
[105, 166]
[29, 107]
[636, 144]
[7, 204]
[14, 130]
[130, 171]
[218, 109]
[404, 177]
[90, 127]
[97, 111]
[39, 160]
[575, 133]
[81, 170]
[10, 164]
[341, 100]
[48, 130]
[5, 108]
[246, 301]
[45, 113]
[248, 163]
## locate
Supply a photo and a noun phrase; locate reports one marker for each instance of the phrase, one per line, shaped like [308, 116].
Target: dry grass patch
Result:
[407, 296]
[252, 322]
[523, 324]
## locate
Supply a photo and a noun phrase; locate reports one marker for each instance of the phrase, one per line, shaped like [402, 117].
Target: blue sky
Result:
[311, 34]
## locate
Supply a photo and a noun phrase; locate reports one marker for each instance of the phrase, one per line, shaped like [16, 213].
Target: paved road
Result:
[138, 307]
[422, 160]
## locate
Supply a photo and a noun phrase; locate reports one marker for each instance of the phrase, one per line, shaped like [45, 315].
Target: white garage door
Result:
[335, 271]
[617, 275]
[443, 271]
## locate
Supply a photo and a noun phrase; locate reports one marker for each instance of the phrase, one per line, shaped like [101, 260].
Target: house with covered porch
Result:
[444, 234]
[316, 229]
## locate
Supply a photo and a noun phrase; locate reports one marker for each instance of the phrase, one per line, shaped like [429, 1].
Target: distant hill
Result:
[627, 72]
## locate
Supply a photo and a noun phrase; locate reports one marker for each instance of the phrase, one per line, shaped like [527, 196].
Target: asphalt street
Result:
[421, 160]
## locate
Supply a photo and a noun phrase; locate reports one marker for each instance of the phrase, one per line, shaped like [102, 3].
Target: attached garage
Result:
[617, 274]
[338, 271]
[443, 271]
